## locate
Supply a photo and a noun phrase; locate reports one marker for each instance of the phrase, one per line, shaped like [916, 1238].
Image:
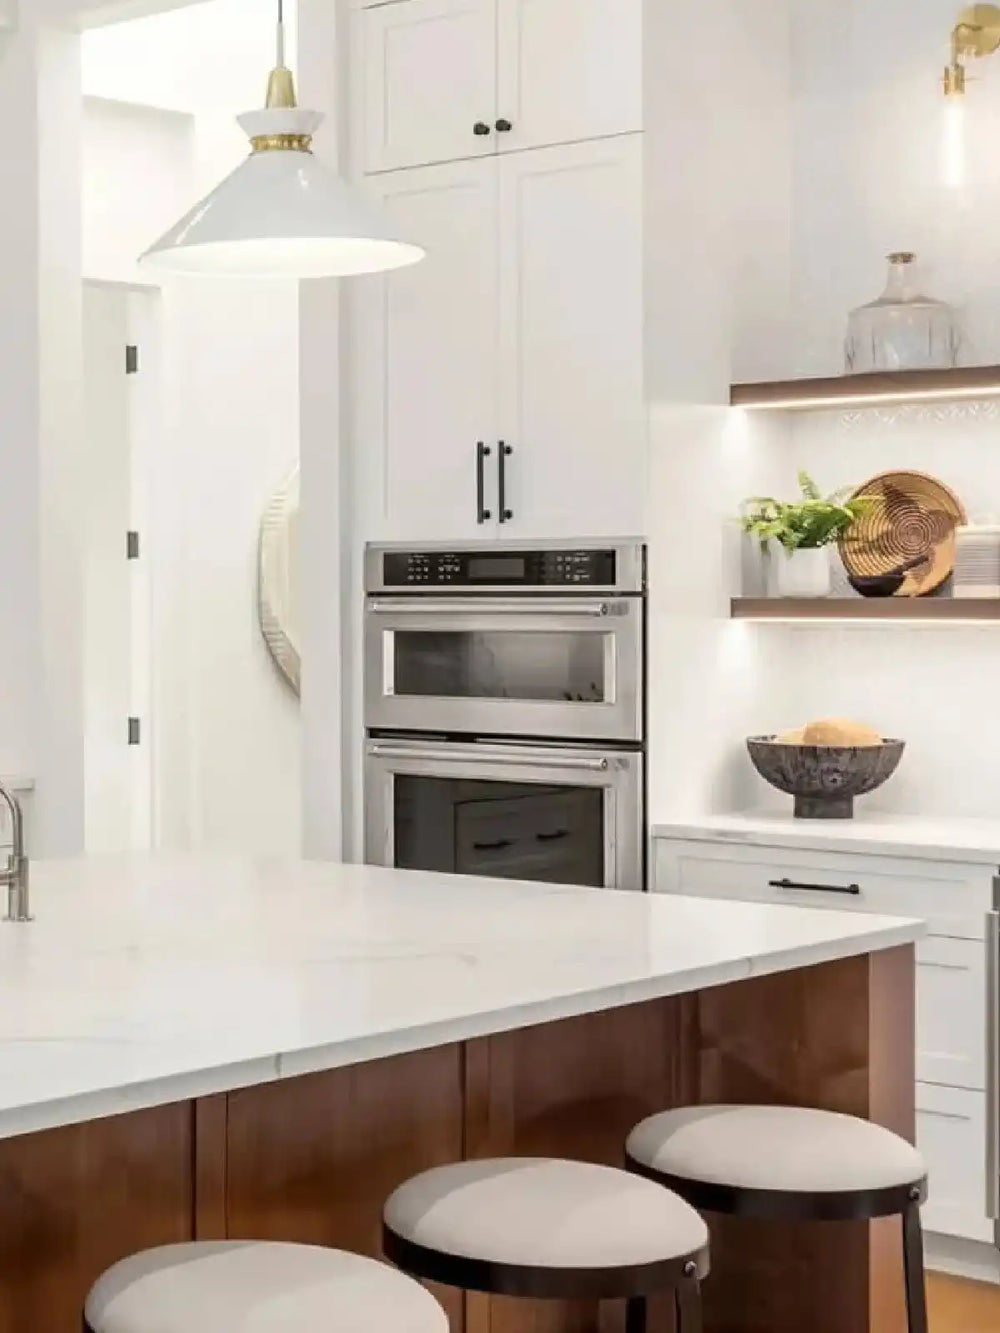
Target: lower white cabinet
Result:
[951, 1133]
[951, 982]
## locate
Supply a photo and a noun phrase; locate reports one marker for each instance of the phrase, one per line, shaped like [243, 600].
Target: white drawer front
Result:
[951, 1133]
[952, 898]
[951, 1012]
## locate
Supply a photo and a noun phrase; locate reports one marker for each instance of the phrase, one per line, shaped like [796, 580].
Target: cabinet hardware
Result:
[552, 837]
[504, 126]
[505, 514]
[481, 129]
[849, 890]
[500, 846]
[483, 451]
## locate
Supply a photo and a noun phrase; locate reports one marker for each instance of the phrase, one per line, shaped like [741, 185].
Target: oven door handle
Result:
[567, 763]
[452, 606]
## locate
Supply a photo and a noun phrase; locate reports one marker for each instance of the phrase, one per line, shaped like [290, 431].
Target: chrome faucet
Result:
[16, 876]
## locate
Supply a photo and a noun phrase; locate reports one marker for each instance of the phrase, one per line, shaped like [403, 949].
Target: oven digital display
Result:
[497, 569]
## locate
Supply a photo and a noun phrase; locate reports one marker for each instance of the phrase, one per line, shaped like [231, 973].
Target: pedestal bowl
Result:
[824, 779]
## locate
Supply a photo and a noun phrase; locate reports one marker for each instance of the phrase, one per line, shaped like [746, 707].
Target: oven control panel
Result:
[500, 569]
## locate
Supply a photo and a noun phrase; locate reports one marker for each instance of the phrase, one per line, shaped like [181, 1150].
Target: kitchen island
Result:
[201, 1050]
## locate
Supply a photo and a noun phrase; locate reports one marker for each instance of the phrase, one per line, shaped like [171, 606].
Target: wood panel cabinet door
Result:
[425, 355]
[571, 339]
[567, 70]
[425, 78]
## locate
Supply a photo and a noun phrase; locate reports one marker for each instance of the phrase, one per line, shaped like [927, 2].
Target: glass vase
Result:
[902, 330]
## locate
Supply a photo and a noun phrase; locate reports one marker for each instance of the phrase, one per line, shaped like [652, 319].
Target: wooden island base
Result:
[312, 1159]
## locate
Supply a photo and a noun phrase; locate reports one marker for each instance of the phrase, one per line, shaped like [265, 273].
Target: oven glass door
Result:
[558, 816]
[565, 667]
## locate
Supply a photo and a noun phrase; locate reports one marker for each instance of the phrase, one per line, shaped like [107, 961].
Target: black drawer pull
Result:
[500, 846]
[848, 890]
[552, 837]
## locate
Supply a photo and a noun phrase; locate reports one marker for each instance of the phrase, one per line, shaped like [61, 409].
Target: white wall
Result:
[124, 142]
[718, 198]
[869, 172]
[225, 727]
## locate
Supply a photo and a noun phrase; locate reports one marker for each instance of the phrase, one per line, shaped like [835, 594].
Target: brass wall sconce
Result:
[976, 34]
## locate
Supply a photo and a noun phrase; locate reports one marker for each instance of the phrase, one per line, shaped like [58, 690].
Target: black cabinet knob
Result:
[481, 129]
[504, 127]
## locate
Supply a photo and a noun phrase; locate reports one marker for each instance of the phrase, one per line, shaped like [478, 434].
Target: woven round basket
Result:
[913, 515]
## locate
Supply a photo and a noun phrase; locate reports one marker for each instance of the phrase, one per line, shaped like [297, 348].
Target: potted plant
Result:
[796, 535]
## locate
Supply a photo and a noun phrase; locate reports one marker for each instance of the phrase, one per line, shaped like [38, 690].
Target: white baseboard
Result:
[962, 1258]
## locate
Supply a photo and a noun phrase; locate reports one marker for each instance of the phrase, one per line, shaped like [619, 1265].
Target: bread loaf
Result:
[841, 732]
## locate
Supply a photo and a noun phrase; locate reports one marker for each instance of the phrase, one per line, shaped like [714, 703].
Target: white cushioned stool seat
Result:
[544, 1213]
[253, 1287]
[785, 1148]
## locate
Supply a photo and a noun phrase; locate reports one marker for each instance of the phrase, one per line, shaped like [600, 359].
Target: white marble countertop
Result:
[926, 837]
[145, 981]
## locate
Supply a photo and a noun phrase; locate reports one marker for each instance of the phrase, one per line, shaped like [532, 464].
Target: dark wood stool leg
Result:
[635, 1315]
[913, 1260]
[688, 1298]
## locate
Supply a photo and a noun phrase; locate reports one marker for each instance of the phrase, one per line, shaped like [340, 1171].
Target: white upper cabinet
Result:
[425, 80]
[439, 80]
[567, 70]
[425, 358]
[571, 339]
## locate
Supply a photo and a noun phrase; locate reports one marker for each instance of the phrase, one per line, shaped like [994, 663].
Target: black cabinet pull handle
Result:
[500, 846]
[483, 452]
[481, 129]
[848, 890]
[505, 452]
[504, 126]
[552, 837]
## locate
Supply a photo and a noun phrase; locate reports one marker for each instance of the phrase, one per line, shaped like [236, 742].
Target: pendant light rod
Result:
[281, 34]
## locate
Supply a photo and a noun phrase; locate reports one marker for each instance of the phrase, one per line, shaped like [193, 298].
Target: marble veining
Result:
[151, 980]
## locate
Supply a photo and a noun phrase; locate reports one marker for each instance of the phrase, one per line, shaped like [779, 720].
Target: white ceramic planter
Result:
[800, 573]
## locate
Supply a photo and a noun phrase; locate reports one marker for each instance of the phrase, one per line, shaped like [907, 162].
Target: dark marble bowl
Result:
[824, 779]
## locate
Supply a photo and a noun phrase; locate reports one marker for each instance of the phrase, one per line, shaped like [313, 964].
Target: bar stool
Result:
[779, 1162]
[550, 1230]
[252, 1287]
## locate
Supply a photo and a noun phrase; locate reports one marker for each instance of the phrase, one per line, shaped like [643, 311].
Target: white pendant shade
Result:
[282, 213]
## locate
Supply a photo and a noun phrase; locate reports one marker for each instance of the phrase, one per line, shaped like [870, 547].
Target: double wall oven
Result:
[505, 711]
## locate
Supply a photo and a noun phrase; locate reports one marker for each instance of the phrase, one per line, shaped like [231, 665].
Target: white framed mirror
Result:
[278, 580]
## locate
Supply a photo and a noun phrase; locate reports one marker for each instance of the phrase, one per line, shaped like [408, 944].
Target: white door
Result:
[571, 339]
[116, 634]
[426, 360]
[426, 80]
[567, 70]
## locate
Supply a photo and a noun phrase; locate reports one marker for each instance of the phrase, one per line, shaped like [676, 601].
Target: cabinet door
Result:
[951, 1012]
[571, 339]
[425, 358]
[951, 1133]
[568, 70]
[426, 76]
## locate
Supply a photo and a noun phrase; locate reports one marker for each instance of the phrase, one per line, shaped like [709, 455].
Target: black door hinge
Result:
[131, 359]
[134, 731]
[132, 546]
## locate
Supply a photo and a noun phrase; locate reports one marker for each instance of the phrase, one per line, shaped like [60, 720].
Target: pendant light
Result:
[282, 213]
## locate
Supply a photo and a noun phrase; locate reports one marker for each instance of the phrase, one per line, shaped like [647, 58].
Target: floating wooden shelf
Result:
[940, 609]
[903, 386]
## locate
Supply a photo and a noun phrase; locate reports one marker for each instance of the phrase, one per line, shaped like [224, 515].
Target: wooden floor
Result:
[957, 1306]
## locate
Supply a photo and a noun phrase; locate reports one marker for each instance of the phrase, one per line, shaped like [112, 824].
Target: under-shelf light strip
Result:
[872, 399]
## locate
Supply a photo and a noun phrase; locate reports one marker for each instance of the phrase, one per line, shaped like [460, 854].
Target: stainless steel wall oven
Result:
[505, 712]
